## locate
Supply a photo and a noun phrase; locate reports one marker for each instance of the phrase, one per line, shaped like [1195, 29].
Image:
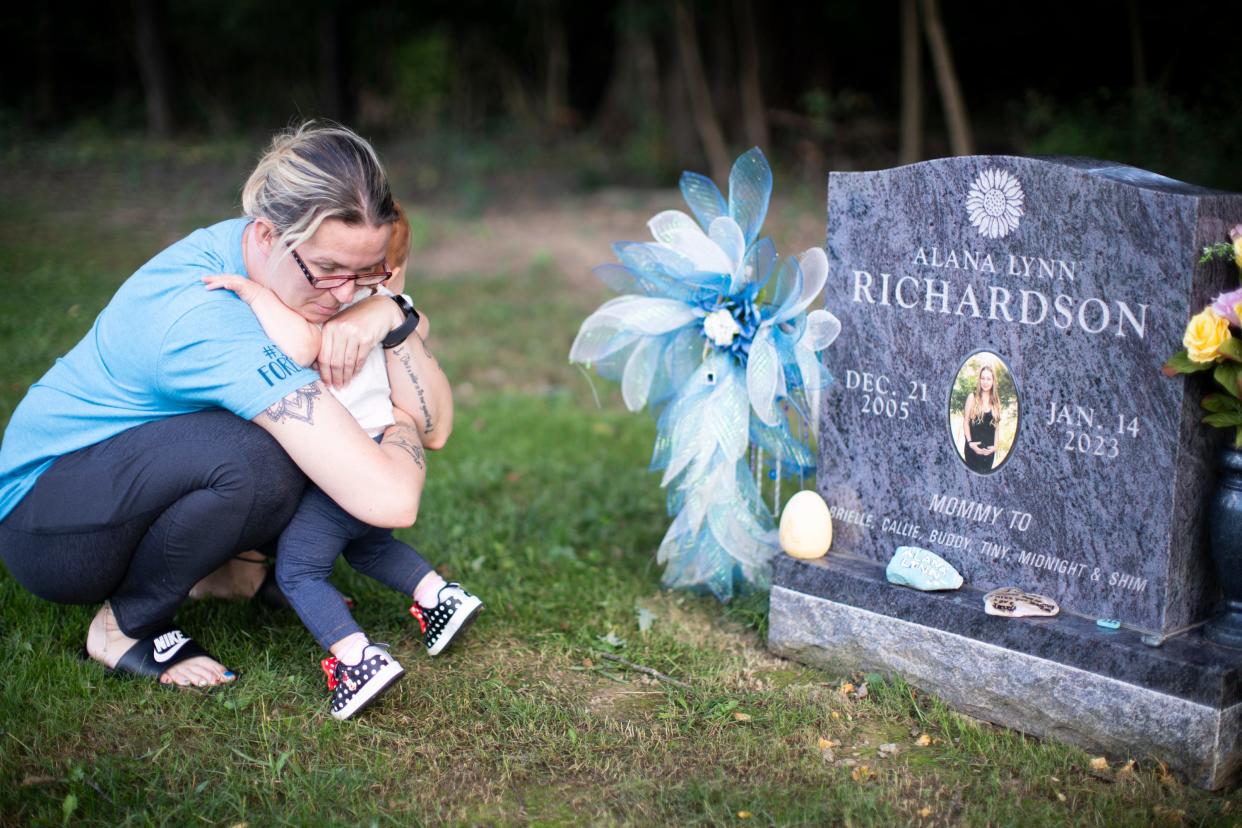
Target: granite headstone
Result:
[1072, 280]
[999, 401]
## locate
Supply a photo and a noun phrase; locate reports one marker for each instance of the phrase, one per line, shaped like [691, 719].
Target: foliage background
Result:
[820, 85]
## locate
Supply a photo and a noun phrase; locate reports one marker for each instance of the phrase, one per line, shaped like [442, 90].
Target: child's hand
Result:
[245, 289]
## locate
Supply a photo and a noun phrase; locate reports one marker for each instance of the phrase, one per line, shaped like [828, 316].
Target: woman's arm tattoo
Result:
[426, 350]
[404, 356]
[406, 438]
[300, 405]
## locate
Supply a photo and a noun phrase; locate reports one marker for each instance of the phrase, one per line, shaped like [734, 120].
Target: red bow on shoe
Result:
[329, 670]
[417, 612]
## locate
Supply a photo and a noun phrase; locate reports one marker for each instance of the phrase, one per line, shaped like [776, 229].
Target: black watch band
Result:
[402, 332]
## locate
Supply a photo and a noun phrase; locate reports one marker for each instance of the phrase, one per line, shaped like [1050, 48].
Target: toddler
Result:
[320, 531]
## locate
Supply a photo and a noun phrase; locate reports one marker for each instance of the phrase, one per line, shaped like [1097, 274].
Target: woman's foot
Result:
[106, 644]
[239, 577]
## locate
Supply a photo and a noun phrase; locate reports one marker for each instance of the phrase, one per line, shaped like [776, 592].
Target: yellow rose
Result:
[1205, 334]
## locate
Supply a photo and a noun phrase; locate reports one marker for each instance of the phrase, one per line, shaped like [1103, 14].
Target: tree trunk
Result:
[632, 98]
[683, 139]
[754, 113]
[556, 69]
[45, 62]
[152, 65]
[960, 141]
[333, 97]
[911, 149]
[699, 94]
[1138, 64]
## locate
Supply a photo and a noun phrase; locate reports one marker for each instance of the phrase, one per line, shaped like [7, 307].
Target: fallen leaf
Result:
[1099, 763]
[925, 812]
[586, 662]
[743, 814]
[845, 689]
[923, 741]
[612, 639]
[824, 744]
[836, 715]
[37, 780]
[1126, 772]
[1173, 816]
[740, 716]
[1060, 796]
[861, 773]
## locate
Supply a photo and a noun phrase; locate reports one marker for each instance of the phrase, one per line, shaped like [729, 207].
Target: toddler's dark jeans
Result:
[318, 534]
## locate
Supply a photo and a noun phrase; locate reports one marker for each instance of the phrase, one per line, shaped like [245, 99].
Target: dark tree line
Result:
[689, 80]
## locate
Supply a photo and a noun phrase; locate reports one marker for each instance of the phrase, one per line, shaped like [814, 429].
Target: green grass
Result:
[542, 504]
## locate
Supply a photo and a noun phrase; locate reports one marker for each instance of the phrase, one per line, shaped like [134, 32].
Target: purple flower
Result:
[1227, 305]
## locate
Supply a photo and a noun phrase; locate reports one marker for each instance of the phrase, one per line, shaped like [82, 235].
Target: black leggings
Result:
[141, 517]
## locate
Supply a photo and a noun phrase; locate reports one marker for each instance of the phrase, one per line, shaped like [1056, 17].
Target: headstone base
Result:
[1063, 677]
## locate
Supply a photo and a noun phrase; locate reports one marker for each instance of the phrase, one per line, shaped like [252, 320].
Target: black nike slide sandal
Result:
[153, 655]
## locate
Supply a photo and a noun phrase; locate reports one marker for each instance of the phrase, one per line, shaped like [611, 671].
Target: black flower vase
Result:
[1225, 534]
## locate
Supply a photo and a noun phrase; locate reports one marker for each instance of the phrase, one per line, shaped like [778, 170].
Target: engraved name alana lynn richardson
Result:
[1018, 306]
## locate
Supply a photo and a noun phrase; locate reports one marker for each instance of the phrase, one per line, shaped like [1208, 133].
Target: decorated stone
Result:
[921, 569]
[1012, 602]
[806, 526]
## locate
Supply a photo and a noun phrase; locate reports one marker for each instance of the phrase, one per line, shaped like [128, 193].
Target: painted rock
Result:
[1012, 602]
[806, 526]
[921, 569]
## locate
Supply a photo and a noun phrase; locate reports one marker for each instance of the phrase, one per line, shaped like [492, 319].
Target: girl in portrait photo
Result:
[983, 412]
[980, 422]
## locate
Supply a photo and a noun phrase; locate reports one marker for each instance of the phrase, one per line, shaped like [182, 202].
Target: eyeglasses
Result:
[329, 282]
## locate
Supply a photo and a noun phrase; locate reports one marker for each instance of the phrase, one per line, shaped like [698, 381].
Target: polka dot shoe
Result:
[455, 610]
[354, 686]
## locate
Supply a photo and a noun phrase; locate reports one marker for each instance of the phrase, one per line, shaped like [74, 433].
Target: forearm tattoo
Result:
[406, 439]
[404, 356]
[426, 351]
[300, 405]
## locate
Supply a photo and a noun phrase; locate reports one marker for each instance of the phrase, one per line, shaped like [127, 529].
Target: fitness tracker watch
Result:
[402, 332]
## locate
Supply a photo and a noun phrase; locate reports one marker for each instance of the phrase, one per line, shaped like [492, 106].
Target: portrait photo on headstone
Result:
[983, 412]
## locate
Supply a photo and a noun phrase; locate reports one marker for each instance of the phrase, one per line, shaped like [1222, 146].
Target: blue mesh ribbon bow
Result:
[713, 335]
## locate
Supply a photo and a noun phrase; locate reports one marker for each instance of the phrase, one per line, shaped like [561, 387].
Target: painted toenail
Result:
[228, 674]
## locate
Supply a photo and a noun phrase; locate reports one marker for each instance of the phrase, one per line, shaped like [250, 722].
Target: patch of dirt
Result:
[575, 233]
[633, 701]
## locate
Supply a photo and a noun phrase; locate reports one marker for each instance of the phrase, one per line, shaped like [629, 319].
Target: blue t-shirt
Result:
[164, 345]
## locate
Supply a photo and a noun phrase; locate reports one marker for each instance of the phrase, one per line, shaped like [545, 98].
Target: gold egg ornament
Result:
[806, 526]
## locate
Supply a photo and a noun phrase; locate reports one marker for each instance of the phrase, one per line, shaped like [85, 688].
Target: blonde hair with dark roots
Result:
[993, 399]
[314, 172]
